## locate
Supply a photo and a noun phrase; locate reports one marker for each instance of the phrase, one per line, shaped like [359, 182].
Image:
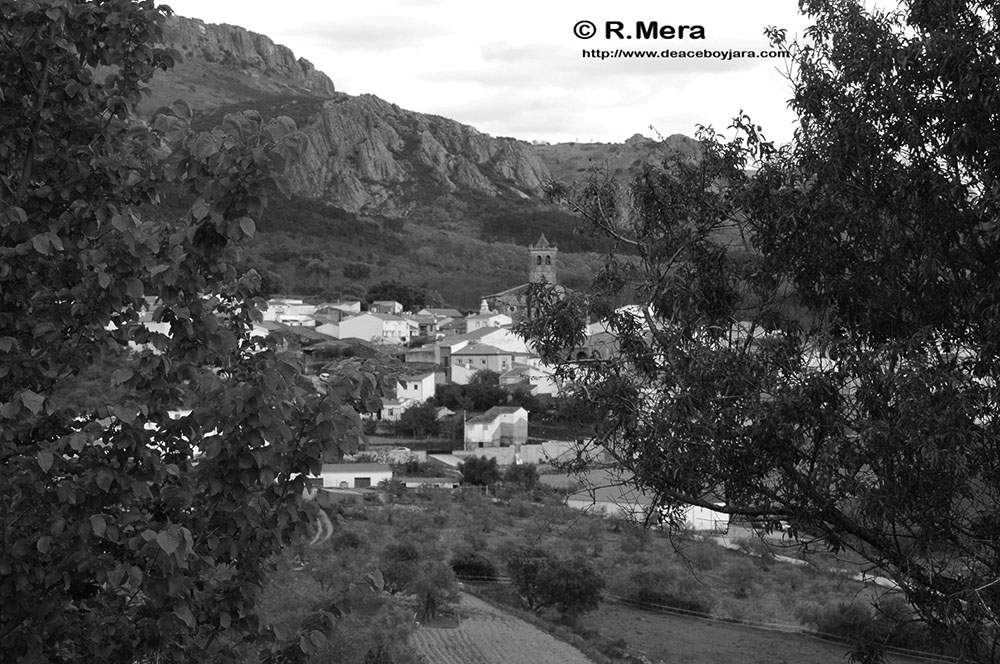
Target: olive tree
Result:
[814, 330]
[130, 534]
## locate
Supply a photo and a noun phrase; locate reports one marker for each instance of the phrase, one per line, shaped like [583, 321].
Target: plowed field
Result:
[489, 636]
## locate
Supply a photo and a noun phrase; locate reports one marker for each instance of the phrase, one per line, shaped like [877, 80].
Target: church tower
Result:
[542, 261]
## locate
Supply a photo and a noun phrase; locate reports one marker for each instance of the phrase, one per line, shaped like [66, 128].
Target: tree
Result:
[400, 566]
[435, 587]
[817, 335]
[480, 471]
[411, 297]
[420, 420]
[129, 535]
[572, 586]
[524, 475]
[524, 565]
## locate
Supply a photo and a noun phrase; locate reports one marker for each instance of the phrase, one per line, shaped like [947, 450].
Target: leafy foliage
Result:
[420, 420]
[130, 535]
[469, 563]
[480, 471]
[411, 297]
[522, 475]
[435, 588]
[816, 340]
[572, 586]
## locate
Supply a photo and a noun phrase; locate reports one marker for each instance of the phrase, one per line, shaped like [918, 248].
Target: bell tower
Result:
[542, 261]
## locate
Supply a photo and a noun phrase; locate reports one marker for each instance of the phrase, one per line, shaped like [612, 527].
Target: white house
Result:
[425, 483]
[481, 320]
[289, 312]
[498, 337]
[475, 357]
[331, 330]
[354, 475]
[419, 388]
[499, 426]
[392, 409]
[377, 327]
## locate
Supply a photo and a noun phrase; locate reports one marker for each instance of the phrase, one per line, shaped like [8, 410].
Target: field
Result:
[487, 635]
[683, 572]
[687, 640]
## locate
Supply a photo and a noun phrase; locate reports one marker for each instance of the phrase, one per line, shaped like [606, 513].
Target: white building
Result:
[289, 312]
[499, 426]
[419, 388]
[354, 475]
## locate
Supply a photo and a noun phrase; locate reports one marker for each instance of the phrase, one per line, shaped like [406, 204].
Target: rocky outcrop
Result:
[367, 154]
[233, 46]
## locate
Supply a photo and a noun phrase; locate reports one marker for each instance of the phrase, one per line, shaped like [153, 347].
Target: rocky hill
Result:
[384, 192]
[366, 154]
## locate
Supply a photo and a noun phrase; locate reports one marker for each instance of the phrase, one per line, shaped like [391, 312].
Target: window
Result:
[548, 260]
[362, 482]
[538, 260]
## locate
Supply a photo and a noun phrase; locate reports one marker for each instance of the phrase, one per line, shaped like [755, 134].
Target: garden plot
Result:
[487, 635]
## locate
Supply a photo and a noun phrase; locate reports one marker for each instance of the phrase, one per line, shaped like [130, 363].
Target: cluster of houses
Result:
[455, 346]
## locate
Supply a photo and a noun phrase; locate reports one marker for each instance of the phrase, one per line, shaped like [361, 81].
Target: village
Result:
[441, 347]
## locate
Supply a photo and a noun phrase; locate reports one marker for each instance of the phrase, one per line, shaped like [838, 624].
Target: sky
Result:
[517, 67]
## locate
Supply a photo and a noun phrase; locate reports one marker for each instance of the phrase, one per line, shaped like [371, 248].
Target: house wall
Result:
[422, 354]
[420, 389]
[365, 327]
[329, 329]
[354, 479]
[463, 367]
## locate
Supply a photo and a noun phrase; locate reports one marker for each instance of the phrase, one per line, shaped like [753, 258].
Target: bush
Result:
[520, 509]
[522, 475]
[474, 566]
[480, 471]
[703, 555]
[346, 539]
[742, 577]
[656, 586]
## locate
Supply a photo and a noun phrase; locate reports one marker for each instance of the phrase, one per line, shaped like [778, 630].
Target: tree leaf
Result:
[45, 460]
[168, 541]
[98, 524]
[249, 228]
[33, 401]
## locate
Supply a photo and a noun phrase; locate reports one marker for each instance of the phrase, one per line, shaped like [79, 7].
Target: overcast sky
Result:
[515, 68]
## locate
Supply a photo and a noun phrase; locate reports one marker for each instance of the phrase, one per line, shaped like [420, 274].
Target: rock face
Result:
[236, 47]
[367, 154]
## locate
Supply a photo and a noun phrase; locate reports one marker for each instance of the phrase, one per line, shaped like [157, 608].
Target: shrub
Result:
[480, 471]
[849, 621]
[742, 577]
[472, 565]
[656, 586]
[522, 475]
[703, 555]
[346, 539]
[520, 509]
